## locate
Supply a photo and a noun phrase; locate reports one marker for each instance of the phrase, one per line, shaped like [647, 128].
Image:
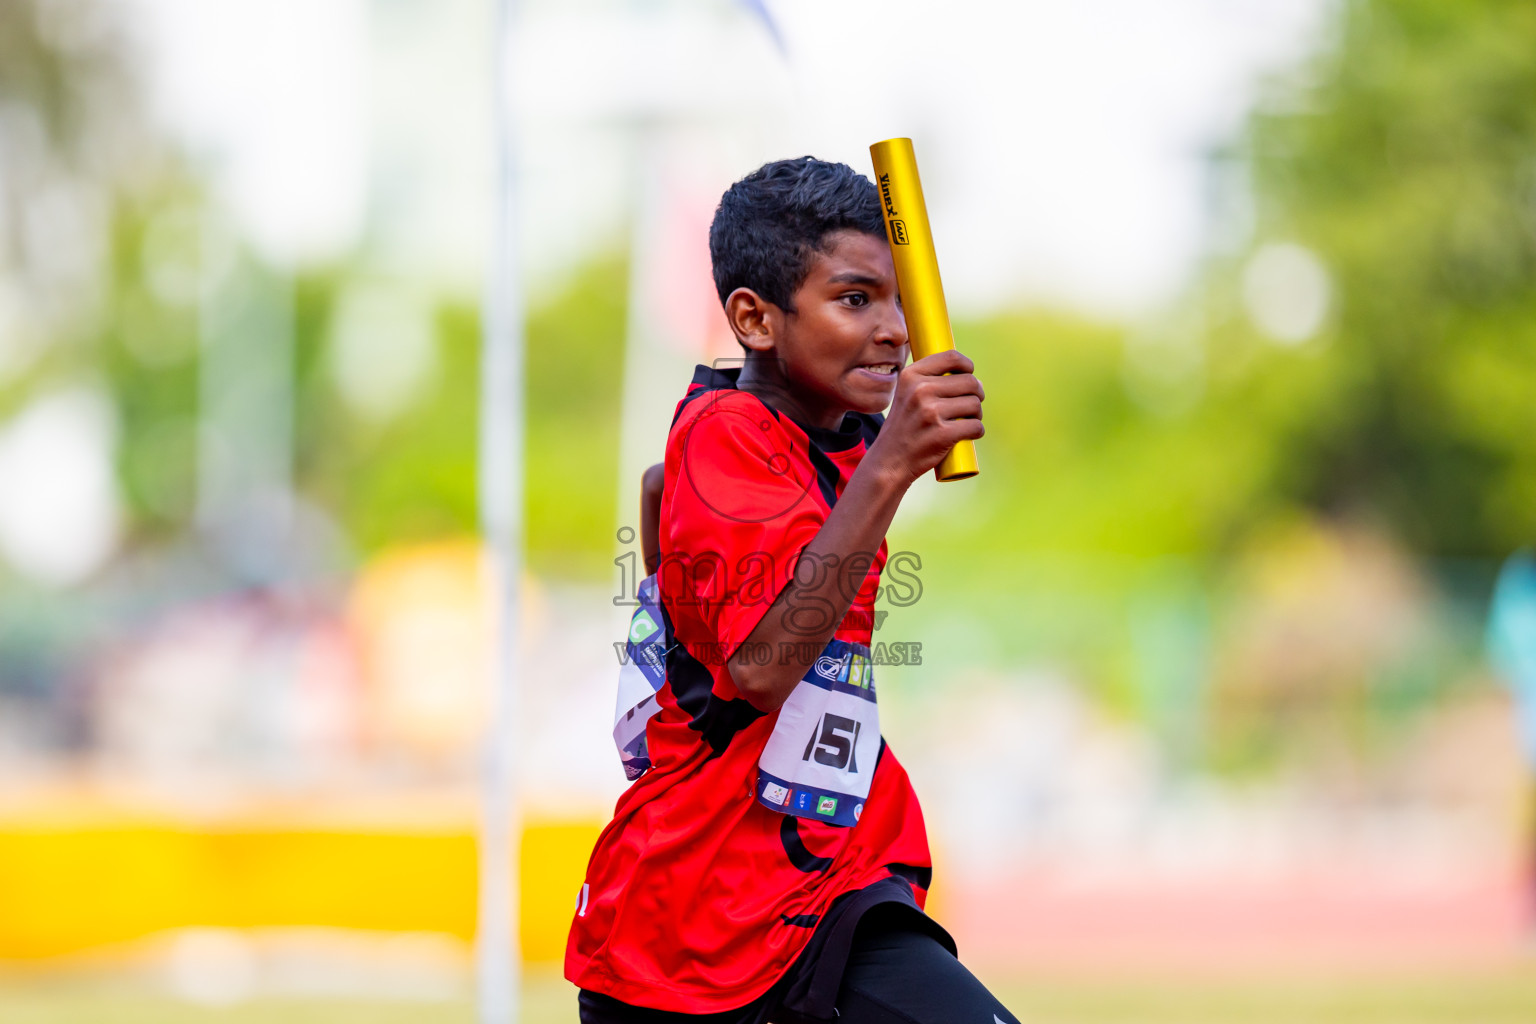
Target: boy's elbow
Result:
[754, 686]
[653, 480]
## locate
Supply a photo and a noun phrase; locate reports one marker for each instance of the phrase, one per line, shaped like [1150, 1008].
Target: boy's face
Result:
[842, 346]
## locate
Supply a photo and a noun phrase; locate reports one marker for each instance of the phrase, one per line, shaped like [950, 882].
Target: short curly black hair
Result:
[770, 222]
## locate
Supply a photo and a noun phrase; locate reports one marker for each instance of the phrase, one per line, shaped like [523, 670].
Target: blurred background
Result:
[1235, 624]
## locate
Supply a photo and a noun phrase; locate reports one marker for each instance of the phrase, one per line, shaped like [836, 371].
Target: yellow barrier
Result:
[69, 886]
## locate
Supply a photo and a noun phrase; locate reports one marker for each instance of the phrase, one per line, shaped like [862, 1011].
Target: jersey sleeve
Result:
[742, 509]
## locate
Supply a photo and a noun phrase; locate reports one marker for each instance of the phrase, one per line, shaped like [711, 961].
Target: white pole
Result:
[499, 962]
[654, 373]
[244, 404]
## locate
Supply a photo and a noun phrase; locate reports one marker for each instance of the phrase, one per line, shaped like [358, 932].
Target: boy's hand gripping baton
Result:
[917, 272]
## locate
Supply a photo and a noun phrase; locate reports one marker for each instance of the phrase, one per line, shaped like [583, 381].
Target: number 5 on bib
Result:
[820, 759]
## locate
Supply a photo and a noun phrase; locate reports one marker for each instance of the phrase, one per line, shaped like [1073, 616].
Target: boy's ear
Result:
[753, 319]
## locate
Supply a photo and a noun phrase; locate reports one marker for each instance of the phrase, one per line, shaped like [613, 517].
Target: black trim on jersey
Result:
[856, 426]
[827, 474]
[848, 433]
[920, 877]
[794, 847]
[691, 681]
[800, 920]
[721, 720]
[709, 379]
[718, 721]
[804, 860]
[870, 426]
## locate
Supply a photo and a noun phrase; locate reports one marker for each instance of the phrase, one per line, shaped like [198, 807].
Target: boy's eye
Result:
[856, 299]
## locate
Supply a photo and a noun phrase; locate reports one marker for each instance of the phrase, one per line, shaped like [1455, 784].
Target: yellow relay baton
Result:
[917, 272]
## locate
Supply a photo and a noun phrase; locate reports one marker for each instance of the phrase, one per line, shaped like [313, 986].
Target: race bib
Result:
[643, 672]
[821, 757]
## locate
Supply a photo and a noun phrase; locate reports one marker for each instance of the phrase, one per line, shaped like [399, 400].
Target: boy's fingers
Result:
[954, 384]
[963, 407]
[966, 430]
[948, 361]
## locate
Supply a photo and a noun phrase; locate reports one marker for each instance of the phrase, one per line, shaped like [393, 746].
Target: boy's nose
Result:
[893, 328]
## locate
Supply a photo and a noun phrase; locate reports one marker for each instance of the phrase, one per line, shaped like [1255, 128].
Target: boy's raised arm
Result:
[938, 402]
[650, 516]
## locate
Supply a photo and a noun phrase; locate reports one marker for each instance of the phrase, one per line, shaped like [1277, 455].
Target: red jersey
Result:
[697, 896]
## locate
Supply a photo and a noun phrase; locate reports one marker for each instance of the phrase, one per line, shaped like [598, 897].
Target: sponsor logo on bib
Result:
[829, 668]
[641, 627]
[819, 760]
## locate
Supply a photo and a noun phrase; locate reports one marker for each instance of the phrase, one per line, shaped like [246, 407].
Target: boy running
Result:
[771, 863]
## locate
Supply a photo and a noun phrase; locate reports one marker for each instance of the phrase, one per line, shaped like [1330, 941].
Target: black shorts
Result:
[875, 958]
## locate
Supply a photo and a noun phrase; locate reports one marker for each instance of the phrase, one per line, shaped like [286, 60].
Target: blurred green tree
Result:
[413, 478]
[1404, 155]
[97, 265]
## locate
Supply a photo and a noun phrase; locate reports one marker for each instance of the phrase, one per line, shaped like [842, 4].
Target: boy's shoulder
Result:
[713, 393]
[741, 460]
[715, 411]
[710, 387]
[748, 463]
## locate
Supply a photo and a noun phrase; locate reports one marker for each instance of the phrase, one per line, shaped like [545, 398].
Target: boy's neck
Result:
[762, 375]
